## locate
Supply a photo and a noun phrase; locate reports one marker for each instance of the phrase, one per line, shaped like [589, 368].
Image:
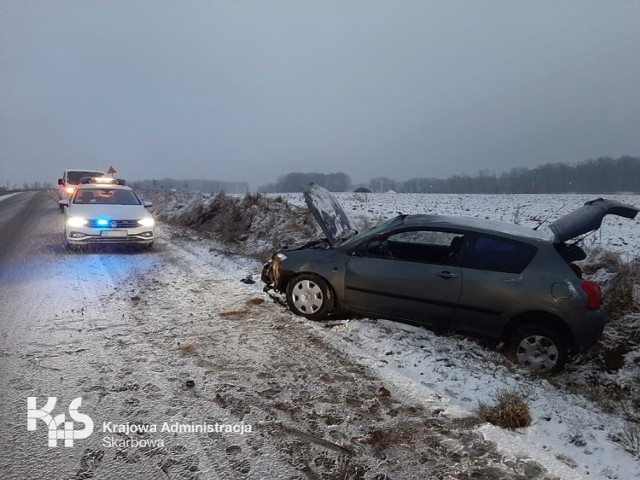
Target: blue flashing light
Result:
[102, 222]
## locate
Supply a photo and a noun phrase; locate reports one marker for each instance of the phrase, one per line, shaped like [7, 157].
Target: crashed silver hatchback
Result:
[496, 280]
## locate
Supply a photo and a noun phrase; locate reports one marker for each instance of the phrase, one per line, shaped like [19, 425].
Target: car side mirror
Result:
[147, 204]
[360, 250]
[376, 248]
[64, 203]
[60, 181]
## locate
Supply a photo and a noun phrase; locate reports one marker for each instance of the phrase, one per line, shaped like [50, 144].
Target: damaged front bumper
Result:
[271, 278]
[271, 274]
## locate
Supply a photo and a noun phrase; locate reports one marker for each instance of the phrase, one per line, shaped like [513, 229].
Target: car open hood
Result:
[333, 220]
[589, 217]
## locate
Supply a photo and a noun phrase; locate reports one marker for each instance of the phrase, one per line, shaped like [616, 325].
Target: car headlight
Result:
[147, 222]
[76, 221]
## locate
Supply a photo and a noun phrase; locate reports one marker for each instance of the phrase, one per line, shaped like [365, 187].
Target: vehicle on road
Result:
[501, 281]
[103, 210]
[70, 180]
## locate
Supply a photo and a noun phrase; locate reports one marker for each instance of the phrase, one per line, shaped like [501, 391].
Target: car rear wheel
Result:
[310, 296]
[539, 347]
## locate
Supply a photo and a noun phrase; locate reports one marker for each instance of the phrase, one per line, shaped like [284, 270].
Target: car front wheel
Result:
[310, 296]
[539, 347]
[146, 247]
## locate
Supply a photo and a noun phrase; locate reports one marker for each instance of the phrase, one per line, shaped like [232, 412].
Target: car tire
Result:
[538, 347]
[65, 243]
[146, 247]
[310, 296]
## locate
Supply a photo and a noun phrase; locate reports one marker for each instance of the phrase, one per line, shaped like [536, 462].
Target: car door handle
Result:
[446, 274]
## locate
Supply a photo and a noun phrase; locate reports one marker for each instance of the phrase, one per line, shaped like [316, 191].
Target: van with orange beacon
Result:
[70, 180]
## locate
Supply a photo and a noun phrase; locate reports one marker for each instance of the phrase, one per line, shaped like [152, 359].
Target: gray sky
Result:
[246, 90]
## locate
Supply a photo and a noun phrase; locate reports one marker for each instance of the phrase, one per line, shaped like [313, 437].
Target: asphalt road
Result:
[218, 382]
[50, 302]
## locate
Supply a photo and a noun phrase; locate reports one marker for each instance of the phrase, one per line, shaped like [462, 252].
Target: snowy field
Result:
[567, 430]
[569, 435]
[617, 234]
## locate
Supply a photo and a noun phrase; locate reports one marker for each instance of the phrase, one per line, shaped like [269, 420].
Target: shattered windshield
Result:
[353, 240]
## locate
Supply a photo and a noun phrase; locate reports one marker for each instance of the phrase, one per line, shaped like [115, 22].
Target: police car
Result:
[105, 210]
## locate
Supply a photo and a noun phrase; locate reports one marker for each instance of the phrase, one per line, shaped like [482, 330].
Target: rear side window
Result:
[498, 254]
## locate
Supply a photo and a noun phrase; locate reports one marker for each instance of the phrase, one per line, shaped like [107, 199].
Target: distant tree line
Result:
[203, 186]
[602, 175]
[295, 182]
[26, 186]
[37, 186]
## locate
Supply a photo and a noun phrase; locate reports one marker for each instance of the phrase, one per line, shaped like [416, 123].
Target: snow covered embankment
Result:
[595, 448]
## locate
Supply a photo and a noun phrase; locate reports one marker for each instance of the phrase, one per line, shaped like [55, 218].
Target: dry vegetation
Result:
[189, 347]
[622, 296]
[620, 282]
[608, 374]
[253, 225]
[509, 411]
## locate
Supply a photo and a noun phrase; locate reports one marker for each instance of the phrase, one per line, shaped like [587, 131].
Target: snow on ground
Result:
[617, 234]
[569, 435]
[8, 195]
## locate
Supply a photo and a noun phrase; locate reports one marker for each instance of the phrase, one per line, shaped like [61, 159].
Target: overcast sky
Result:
[244, 90]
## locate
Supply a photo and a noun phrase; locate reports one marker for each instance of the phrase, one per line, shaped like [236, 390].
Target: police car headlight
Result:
[76, 221]
[147, 222]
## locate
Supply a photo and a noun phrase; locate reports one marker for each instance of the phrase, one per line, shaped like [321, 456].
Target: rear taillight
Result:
[594, 296]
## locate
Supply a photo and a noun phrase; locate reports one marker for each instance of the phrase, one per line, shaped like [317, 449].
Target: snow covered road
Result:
[188, 373]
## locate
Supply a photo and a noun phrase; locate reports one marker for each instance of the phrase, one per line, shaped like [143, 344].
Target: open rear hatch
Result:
[589, 217]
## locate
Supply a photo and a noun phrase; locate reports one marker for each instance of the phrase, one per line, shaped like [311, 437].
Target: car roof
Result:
[102, 186]
[482, 225]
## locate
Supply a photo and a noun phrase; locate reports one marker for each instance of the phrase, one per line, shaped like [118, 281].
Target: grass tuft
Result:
[628, 438]
[620, 295]
[188, 347]
[510, 410]
[234, 313]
